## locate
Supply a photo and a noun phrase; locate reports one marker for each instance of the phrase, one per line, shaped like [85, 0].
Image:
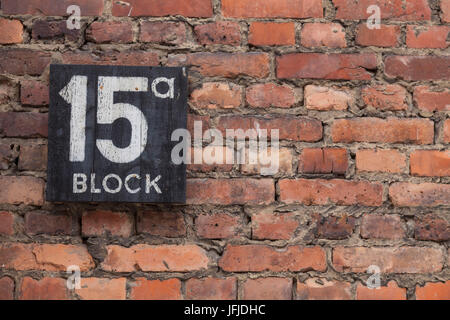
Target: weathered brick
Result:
[385, 97]
[34, 93]
[431, 99]
[428, 37]
[33, 157]
[274, 226]
[23, 61]
[110, 31]
[376, 226]
[6, 223]
[446, 131]
[51, 8]
[390, 130]
[328, 98]
[389, 260]
[334, 227]
[405, 194]
[214, 95]
[267, 289]
[8, 155]
[37, 222]
[51, 30]
[6, 288]
[124, 58]
[163, 224]
[44, 289]
[102, 289]
[412, 68]
[336, 191]
[290, 128]
[434, 290]
[259, 258]
[410, 10]
[326, 66]
[323, 289]
[445, 7]
[430, 163]
[264, 95]
[163, 32]
[213, 158]
[229, 65]
[323, 160]
[431, 227]
[8, 90]
[211, 289]
[385, 36]
[107, 223]
[156, 8]
[272, 8]
[17, 190]
[284, 165]
[271, 34]
[230, 191]
[323, 35]
[12, 31]
[162, 258]
[380, 160]
[144, 289]
[217, 226]
[24, 124]
[219, 32]
[389, 292]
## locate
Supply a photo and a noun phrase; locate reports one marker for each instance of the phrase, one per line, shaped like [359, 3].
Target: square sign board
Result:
[110, 133]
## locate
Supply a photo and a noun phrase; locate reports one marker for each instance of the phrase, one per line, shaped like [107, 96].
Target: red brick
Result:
[336, 191]
[51, 8]
[8, 91]
[432, 228]
[267, 289]
[33, 157]
[272, 8]
[162, 224]
[160, 258]
[290, 128]
[389, 260]
[12, 31]
[430, 163]
[385, 97]
[217, 226]
[412, 68]
[380, 160]
[229, 65]
[44, 289]
[205, 120]
[211, 289]
[334, 227]
[102, 289]
[431, 99]
[328, 98]
[434, 290]
[428, 37]
[322, 289]
[410, 10]
[163, 32]
[376, 226]
[404, 194]
[49, 257]
[124, 58]
[271, 34]
[390, 130]
[34, 93]
[6, 223]
[214, 95]
[157, 8]
[17, 190]
[219, 32]
[445, 7]
[264, 95]
[23, 61]
[51, 30]
[6, 288]
[326, 66]
[24, 124]
[110, 31]
[8, 155]
[48, 223]
[210, 156]
[144, 289]
[323, 160]
[230, 191]
[284, 166]
[389, 292]
[446, 132]
[385, 36]
[323, 35]
[107, 223]
[274, 226]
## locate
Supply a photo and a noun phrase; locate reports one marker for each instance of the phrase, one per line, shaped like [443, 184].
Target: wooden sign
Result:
[110, 133]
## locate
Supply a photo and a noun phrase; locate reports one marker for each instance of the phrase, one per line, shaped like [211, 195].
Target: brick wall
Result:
[364, 159]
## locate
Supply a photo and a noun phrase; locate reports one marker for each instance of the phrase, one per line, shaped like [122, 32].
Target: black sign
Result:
[110, 133]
